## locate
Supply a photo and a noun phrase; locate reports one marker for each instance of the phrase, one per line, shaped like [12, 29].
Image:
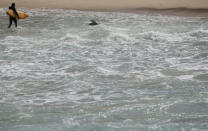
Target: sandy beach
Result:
[107, 4]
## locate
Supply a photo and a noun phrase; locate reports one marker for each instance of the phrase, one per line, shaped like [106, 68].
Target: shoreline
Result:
[183, 12]
[192, 8]
[187, 12]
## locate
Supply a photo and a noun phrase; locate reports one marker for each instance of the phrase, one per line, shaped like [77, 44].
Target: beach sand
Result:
[106, 4]
[165, 7]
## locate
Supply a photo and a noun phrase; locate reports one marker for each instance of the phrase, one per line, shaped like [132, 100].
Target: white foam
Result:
[109, 72]
[186, 77]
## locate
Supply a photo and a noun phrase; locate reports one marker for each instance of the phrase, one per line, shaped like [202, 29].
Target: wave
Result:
[183, 11]
[172, 9]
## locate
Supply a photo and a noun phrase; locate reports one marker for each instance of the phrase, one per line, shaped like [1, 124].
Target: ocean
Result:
[131, 72]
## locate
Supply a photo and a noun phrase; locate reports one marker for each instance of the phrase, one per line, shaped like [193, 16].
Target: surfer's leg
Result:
[15, 21]
[10, 22]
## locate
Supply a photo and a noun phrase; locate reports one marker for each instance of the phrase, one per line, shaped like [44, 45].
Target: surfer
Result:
[12, 7]
[93, 22]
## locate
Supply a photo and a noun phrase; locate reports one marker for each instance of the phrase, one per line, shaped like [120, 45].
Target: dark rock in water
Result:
[93, 22]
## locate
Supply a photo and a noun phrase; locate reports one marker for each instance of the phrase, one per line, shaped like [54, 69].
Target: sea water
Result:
[129, 73]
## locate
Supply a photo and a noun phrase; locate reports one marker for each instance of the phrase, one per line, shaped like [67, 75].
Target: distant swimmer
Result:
[93, 22]
[12, 7]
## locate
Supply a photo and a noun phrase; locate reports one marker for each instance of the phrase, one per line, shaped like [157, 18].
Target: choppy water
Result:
[131, 72]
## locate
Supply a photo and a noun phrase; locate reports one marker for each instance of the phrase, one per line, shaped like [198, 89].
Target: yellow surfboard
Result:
[22, 15]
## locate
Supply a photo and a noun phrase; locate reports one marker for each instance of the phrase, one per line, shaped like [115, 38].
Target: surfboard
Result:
[22, 15]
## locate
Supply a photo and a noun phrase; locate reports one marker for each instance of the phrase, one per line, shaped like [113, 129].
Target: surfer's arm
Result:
[16, 12]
